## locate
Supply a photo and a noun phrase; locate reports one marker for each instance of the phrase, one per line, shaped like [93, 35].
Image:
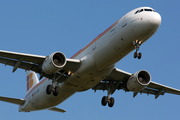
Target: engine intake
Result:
[139, 81]
[53, 63]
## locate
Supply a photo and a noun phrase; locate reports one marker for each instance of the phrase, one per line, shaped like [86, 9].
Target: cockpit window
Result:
[136, 12]
[141, 10]
[148, 9]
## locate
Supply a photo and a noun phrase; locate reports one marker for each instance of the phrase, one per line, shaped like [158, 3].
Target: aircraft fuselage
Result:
[98, 58]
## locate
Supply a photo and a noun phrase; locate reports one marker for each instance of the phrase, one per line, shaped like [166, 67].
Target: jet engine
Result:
[53, 63]
[139, 81]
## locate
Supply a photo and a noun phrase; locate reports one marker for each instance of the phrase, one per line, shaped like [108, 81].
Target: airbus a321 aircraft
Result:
[93, 67]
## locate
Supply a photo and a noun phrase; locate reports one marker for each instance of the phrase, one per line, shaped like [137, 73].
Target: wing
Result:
[34, 63]
[57, 109]
[119, 79]
[13, 100]
[22, 101]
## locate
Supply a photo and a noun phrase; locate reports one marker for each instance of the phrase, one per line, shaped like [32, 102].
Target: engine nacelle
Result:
[53, 63]
[139, 81]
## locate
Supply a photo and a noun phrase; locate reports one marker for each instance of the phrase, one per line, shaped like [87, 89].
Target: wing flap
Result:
[150, 91]
[13, 100]
[23, 65]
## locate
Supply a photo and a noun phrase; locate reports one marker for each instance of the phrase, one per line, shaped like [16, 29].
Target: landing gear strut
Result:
[108, 99]
[137, 44]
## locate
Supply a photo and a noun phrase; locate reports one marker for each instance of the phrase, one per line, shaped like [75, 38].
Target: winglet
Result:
[57, 109]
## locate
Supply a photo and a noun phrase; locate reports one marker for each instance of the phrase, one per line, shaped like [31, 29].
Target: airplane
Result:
[92, 67]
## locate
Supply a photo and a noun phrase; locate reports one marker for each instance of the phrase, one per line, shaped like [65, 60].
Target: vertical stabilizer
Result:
[31, 80]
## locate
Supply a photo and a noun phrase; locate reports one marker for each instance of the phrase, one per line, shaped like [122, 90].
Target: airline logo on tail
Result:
[29, 81]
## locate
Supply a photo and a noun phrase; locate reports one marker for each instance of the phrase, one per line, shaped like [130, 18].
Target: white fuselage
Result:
[98, 58]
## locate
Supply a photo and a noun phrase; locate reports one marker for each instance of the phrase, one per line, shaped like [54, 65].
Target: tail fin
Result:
[31, 80]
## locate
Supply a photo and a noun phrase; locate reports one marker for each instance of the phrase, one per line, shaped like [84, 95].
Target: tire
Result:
[104, 101]
[56, 91]
[139, 56]
[135, 55]
[49, 89]
[111, 103]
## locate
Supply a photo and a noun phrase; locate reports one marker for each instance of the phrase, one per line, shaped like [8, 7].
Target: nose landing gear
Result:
[137, 44]
[137, 55]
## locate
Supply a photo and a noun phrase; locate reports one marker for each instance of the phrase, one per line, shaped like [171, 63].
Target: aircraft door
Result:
[94, 46]
[124, 21]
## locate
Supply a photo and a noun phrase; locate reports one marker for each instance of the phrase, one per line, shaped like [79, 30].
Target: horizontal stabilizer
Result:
[13, 100]
[57, 109]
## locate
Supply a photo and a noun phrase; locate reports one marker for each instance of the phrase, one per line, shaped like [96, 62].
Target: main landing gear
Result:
[137, 44]
[108, 99]
[52, 88]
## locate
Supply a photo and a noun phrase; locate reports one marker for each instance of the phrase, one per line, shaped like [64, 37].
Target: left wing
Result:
[119, 79]
[22, 101]
[34, 63]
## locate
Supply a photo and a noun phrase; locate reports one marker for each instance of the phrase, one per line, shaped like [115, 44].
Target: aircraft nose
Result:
[155, 20]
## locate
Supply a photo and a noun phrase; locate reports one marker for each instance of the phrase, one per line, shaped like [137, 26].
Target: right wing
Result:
[120, 78]
[34, 63]
[12, 100]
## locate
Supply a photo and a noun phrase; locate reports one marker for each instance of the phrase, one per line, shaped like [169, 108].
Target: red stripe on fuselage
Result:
[93, 41]
[75, 55]
[42, 81]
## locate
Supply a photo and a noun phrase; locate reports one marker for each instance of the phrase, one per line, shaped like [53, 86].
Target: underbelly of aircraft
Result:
[87, 76]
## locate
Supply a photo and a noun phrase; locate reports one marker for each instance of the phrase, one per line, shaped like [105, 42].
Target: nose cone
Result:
[155, 20]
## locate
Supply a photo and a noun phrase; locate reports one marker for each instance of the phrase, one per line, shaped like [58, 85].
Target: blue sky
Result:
[42, 27]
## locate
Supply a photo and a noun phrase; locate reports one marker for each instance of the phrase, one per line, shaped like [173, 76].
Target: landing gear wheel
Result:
[139, 55]
[56, 91]
[111, 102]
[104, 101]
[49, 89]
